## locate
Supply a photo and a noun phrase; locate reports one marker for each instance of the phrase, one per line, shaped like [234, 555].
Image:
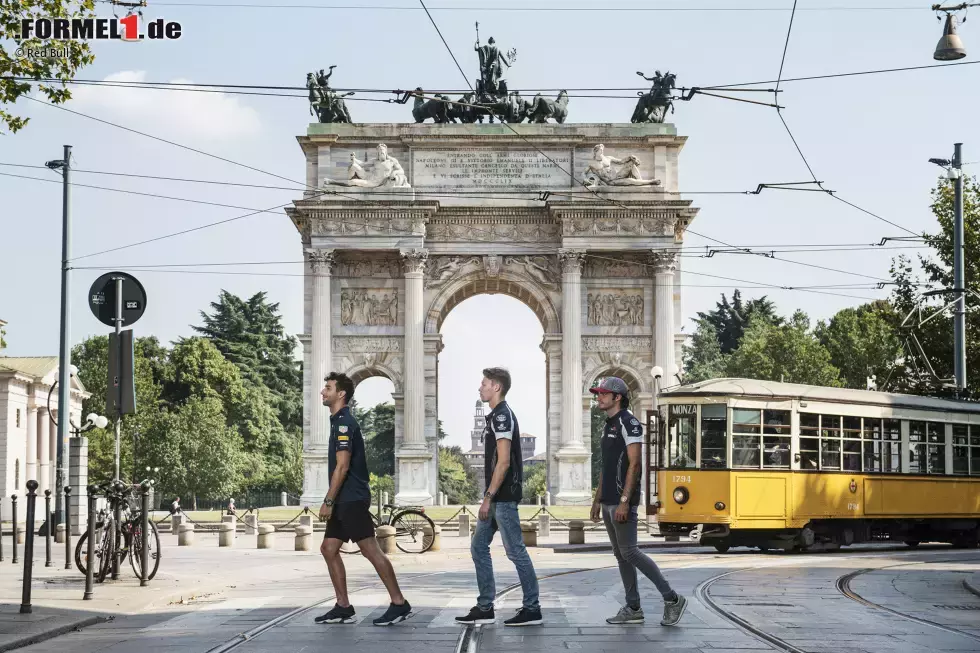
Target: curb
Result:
[973, 586]
[602, 548]
[28, 640]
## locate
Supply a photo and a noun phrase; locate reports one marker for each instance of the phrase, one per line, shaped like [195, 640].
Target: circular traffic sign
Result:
[102, 299]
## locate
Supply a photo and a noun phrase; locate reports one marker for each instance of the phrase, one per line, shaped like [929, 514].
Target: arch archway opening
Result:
[374, 409]
[598, 417]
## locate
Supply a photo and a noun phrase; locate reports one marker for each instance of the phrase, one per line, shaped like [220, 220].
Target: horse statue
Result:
[437, 108]
[325, 104]
[652, 106]
[540, 109]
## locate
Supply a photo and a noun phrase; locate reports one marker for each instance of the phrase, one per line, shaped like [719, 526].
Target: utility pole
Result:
[64, 355]
[959, 287]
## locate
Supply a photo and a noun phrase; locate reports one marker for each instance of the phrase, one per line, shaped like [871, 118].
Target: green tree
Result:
[703, 357]
[380, 484]
[455, 477]
[862, 342]
[92, 359]
[250, 334]
[789, 352]
[198, 454]
[379, 439]
[13, 68]
[535, 483]
[730, 319]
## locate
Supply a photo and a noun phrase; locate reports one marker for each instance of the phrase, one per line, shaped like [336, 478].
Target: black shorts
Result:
[350, 521]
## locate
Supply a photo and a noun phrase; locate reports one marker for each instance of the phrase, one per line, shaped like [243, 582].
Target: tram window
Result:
[936, 448]
[852, 444]
[872, 445]
[891, 456]
[830, 445]
[975, 450]
[776, 441]
[961, 449]
[714, 436]
[683, 436]
[809, 441]
[746, 438]
[917, 448]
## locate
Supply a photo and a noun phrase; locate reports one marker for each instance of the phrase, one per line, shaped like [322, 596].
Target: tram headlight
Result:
[681, 495]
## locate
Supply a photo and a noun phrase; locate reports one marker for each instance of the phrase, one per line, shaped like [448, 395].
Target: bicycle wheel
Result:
[82, 550]
[105, 552]
[152, 550]
[409, 533]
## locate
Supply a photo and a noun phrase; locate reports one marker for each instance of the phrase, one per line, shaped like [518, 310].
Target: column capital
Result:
[663, 261]
[321, 260]
[571, 259]
[415, 260]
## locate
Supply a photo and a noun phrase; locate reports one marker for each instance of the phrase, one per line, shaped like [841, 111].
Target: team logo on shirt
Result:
[501, 418]
[634, 422]
[342, 429]
[343, 438]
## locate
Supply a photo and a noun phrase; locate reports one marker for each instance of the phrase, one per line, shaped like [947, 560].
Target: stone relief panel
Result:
[656, 223]
[616, 265]
[443, 268]
[599, 344]
[356, 223]
[372, 345]
[615, 308]
[492, 231]
[368, 307]
[543, 269]
[365, 266]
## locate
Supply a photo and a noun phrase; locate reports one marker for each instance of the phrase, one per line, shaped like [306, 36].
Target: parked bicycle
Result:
[409, 523]
[131, 534]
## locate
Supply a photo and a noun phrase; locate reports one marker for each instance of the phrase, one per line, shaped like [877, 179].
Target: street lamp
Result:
[950, 46]
[92, 421]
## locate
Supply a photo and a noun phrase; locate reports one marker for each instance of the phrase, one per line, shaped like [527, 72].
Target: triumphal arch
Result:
[401, 222]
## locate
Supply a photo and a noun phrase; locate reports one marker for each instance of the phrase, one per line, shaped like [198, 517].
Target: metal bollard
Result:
[68, 527]
[25, 602]
[90, 545]
[49, 525]
[116, 532]
[13, 529]
[144, 534]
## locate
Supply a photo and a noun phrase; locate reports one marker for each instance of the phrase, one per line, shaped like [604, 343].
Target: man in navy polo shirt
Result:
[617, 499]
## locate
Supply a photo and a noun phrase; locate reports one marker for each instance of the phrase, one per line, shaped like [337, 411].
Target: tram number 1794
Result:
[682, 479]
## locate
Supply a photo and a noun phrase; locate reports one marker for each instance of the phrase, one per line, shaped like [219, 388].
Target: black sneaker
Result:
[394, 614]
[477, 615]
[337, 615]
[525, 617]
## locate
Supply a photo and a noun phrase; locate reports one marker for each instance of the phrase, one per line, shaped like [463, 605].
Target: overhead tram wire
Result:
[281, 206]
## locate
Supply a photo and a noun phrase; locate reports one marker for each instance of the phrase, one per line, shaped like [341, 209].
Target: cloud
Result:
[204, 115]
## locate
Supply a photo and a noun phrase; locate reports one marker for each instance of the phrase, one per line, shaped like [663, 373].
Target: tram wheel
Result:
[764, 548]
[722, 548]
[911, 543]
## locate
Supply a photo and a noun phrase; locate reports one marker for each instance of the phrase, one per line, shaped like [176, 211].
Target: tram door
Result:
[654, 450]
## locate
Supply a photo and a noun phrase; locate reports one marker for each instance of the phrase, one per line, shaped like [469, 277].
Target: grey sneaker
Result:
[627, 615]
[674, 611]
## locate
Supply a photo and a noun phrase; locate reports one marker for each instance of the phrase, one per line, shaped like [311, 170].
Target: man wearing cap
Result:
[617, 499]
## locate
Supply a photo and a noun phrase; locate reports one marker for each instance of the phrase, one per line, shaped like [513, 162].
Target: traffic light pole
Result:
[64, 355]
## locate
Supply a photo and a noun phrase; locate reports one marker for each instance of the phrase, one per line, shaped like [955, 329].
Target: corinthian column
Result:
[413, 454]
[316, 477]
[573, 456]
[321, 262]
[665, 263]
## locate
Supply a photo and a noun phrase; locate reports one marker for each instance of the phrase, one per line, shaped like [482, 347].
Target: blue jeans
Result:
[503, 517]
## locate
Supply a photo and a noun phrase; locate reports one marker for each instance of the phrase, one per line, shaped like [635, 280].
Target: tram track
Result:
[843, 585]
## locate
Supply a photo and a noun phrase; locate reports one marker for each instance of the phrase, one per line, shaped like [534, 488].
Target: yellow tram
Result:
[742, 462]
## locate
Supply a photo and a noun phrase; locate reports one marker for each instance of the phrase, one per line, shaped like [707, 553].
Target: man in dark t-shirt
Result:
[617, 498]
[504, 476]
[347, 508]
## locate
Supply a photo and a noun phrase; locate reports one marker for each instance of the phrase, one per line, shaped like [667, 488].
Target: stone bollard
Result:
[226, 534]
[547, 498]
[251, 524]
[464, 524]
[576, 532]
[432, 534]
[307, 520]
[185, 535]
[538, 499]
[530, 534]
[59, 534]
[175, 521]
[20, 533]
[304, 538]
[228, 519]
[267, 536]
[384, 498]
[283, 499]
[386, 538]
[544, 524]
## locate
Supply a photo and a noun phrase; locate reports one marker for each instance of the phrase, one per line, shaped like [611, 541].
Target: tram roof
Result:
[776, 390]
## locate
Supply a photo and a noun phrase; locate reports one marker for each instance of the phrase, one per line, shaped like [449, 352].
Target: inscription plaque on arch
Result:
[484, 168]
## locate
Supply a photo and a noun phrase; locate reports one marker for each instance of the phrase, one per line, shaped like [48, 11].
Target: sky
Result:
[868, 138]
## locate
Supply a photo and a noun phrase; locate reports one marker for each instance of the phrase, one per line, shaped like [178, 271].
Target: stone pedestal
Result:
[544, 525]
[78, 479]
[176, 520]
[464, 524]
[226, 534]
[530, 534]
[386, 538]
[576, 532]
[266, 538]
[185, 535]
[304, 538]
[251, 524]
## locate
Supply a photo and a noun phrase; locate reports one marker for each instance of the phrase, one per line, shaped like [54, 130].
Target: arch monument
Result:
[402, 222]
